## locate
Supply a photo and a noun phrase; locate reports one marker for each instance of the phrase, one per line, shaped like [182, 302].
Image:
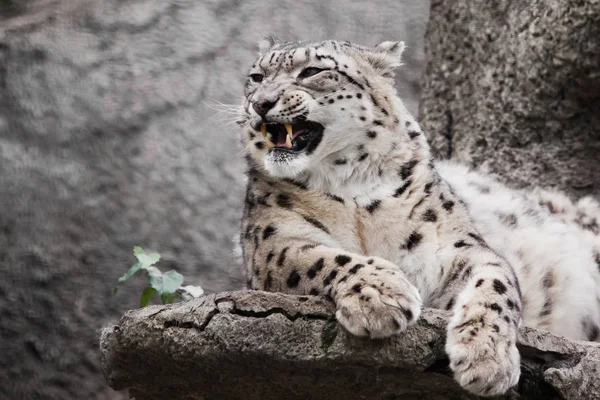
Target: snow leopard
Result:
[345, 200]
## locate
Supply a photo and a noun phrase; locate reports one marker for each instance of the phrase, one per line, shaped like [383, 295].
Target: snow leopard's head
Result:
[329, 102]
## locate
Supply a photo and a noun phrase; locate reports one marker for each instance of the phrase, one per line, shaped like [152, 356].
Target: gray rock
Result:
[513, 87]
[258, 345]
[108, 140]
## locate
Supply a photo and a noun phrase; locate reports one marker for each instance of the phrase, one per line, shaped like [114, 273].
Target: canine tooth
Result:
[269, 143]
[263, 129]
[288, 137]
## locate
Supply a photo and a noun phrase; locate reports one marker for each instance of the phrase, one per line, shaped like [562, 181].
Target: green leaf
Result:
[171, 281]
[147, 294]
[174, 297]
[134, 268]
[148, 260]
[138, 250]
[155, 278]
[164, 298]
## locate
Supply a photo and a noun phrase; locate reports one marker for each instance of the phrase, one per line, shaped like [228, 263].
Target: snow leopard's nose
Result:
[263, 106]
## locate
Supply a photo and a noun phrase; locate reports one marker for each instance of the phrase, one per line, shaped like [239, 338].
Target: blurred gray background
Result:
[108, 140]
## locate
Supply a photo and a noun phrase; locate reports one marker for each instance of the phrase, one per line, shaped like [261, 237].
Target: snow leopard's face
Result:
[306, 103]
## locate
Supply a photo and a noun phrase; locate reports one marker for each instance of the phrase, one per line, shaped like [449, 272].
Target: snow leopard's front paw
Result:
[378, 302]
[483, 357]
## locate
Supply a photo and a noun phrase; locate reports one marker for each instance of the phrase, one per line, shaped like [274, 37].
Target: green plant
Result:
[167, 285]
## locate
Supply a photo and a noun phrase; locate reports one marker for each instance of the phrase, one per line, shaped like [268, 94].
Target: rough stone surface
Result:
[108, 140]
[513, 87]
[258, 345]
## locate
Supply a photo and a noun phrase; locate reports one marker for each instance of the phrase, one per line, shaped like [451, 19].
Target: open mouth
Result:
[296, 137]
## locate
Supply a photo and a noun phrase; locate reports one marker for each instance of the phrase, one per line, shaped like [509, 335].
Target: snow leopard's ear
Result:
[266, 44]
[386, 57]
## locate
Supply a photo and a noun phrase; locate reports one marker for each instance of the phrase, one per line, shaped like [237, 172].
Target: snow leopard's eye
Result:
[256, 78]
[310, 71]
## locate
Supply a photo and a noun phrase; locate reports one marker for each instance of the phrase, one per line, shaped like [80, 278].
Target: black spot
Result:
[316, 223]
[429, 215]
[377, 122]
[413, 240]
[372, 134]
[427, 188]
[450, 304]
[458, 267]
[313, 292]
[358, 95]
[294, 279]
[467, 273]
[363, 156]
[406, 169]
[546, 308]
[597, 258]
[506, 319]
[344, 279]
[479, 282]
[262, 200]
[478, 238]
[308, 246]
[509, 220]
[548, 281]
[496, 328]
[348, 96]
[269, 231]
[370, 261]
[373, 206]
[461, 243]
[413, 134]
[336, 198]
[340, 162]
[259, 145]
[355, 269]
[499, 287]
[494, 306]
[315, 268]
[591, 329]
[408, 314]
[330, 278]
[301, 185]
[341, 96]
[270, 256]
[394, 322]
[269, 281]
[362, 118]
[281, 258]
[448, 205]
[283, 200]
[402, 188]
[331, 101]
[342, 259]
[357, 288]
[510, 304]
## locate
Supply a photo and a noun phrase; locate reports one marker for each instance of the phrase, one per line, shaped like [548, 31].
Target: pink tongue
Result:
[297, 133]
[281, 140]
[281, 137]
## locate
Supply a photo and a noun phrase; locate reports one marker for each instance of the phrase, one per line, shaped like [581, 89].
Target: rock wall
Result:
[513, 87]
[108, 140]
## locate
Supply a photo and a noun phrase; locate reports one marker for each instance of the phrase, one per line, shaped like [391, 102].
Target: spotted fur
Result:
[365, 217]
